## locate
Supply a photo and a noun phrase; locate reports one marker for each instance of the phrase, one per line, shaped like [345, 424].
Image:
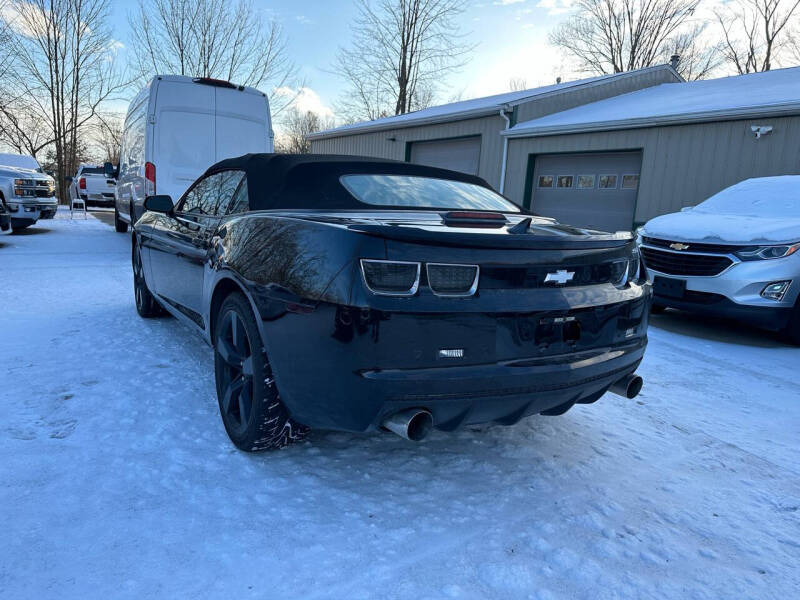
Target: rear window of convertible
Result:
[409, 191]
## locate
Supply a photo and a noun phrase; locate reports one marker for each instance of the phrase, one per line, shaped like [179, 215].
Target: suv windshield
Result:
[777, 197]
[411, 191]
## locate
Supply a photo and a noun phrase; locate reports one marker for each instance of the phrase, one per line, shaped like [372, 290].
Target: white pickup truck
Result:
[92, 186]
[27, 193]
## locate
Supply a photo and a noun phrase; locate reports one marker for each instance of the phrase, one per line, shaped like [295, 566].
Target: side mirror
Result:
[159, 203]
[109, 171]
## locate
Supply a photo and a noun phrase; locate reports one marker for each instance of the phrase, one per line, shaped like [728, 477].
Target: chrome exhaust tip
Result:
[413, 424]
[628, 387]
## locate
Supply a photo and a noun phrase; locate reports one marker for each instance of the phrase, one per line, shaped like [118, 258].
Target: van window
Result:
[210, 196]
[133, 140]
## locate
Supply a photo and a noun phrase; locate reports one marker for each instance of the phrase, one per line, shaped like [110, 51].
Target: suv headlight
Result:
[767, 252]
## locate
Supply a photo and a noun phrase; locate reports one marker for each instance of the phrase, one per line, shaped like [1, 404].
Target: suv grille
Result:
[679, 263]
[693, 246]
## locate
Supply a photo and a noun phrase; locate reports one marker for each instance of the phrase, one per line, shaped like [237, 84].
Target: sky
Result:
[511, 38]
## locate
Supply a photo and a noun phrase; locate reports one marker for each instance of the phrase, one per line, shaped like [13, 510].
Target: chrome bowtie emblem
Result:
[560, 277]
[679, 246]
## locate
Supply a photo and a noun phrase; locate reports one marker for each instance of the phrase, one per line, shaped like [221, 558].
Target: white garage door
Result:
[461, 154]
[596, 190]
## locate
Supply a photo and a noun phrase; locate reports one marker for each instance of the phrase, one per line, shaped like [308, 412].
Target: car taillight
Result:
[390, 277]
[452, 280]
[82, 183]
[149, 179]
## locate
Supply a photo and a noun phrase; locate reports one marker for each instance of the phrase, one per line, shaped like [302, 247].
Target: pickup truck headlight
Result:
[23, 182]
[391, 277]
[767, 252]
[24, 193]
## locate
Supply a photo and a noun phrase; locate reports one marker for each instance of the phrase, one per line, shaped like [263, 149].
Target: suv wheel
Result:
[792, 330]
[146, 304]
[249, 403]
[120, 225]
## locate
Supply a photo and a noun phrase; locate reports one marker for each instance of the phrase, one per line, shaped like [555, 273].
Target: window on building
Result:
[630, 182]
[607, 182]
[565, 181]
[585, 182]
[546, 181]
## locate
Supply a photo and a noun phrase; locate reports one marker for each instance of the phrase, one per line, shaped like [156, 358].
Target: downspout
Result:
[505, 150]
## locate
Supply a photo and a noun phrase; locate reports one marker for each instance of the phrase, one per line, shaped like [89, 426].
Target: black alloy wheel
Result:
[234, 349]
[146, 304]
[249, 403]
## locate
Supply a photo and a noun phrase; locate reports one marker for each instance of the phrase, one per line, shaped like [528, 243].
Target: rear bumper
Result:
[349, 368]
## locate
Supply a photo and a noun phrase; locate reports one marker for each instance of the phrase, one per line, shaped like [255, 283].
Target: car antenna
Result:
[521, 227]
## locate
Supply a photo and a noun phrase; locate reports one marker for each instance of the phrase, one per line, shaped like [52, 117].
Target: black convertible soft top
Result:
[311, 181]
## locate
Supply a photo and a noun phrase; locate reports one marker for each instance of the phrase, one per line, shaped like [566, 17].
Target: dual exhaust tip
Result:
[415, 424]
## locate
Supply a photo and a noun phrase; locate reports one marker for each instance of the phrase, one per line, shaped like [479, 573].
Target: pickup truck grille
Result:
[682, 263]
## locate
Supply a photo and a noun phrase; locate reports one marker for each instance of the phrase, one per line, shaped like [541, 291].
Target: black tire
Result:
[146, 304]
[16, 228]
[120, 225]
[657, 309]
[249, 403]
[792, 331]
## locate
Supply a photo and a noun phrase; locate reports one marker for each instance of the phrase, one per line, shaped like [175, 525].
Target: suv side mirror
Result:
[109, 171]
[161, 203]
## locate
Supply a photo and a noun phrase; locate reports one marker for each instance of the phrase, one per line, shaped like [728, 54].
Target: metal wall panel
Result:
[393, 143]
[682, 165]
[460, 154]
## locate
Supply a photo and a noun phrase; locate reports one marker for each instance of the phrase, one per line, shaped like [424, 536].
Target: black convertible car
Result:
[357, 294]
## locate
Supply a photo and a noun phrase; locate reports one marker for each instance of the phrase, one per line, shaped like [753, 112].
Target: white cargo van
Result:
[175, 129]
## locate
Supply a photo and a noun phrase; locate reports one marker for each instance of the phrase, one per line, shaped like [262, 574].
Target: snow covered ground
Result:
[117, 479]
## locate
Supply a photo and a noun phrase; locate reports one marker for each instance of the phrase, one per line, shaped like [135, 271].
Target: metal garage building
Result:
[608, 152]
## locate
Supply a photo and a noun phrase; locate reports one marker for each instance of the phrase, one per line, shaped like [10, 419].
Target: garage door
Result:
[587, 190]
[461, 154]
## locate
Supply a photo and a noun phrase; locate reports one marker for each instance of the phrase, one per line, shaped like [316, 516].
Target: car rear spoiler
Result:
[533, 240]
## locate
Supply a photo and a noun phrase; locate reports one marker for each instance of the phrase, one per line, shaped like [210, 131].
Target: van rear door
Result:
[242, 123]
[184, 139]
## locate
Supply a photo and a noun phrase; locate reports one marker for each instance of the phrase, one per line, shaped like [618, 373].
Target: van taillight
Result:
[149, 179]
[82, 183]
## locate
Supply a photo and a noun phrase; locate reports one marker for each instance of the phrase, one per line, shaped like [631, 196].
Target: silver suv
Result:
[735, 255]
[27, 193]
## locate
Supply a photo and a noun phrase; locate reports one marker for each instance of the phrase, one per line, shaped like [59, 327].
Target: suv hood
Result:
[693, 225]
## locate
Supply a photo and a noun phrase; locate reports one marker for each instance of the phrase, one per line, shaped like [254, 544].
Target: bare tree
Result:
[756, 32]
[61, 70]
[401, 52]
[210, 38]
[107, 134]
[517, 84]
[612, 36]
[297, 126]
